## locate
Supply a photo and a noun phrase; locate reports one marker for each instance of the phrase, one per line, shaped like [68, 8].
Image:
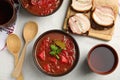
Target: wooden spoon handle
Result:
[20, 77]
[19, 65]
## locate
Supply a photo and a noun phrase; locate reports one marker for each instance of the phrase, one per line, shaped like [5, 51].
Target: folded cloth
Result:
[4, 32]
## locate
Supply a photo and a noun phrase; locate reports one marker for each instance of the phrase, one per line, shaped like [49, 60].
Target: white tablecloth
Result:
[55, 21]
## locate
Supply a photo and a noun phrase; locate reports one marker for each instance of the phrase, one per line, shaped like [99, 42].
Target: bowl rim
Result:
[61, 1]
[76, 47]
[114, 53]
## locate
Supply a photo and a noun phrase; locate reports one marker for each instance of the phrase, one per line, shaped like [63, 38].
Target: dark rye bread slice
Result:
[96, 26]
[102, 17]
[81, 5]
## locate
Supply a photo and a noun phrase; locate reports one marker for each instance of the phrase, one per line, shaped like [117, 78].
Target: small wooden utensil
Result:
[29, 32]
[14, 45]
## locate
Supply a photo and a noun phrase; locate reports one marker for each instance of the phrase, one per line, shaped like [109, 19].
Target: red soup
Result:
[41, 7]
[56, 53]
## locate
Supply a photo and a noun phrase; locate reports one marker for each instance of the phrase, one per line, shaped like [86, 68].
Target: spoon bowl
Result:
[13, 44]
[30, 30]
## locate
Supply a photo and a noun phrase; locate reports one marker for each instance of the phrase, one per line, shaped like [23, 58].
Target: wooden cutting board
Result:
[100, 34]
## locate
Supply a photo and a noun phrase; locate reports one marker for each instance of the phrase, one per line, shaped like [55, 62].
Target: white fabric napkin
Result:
[3, 35]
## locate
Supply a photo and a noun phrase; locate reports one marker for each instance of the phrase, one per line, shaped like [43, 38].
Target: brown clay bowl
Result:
[27, 5]
[7, 6]
[49, 64]
[102, 59]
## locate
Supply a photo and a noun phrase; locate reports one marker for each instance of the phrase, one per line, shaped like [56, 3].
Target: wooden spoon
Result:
[29, 32]
[14, 45]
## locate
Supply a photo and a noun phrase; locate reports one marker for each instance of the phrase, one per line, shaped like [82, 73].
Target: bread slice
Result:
[103, 16]
[79, 23]
[96, 26]
[81, 5]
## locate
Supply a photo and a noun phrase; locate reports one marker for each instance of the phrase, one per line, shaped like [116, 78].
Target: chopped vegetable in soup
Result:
[55, 53]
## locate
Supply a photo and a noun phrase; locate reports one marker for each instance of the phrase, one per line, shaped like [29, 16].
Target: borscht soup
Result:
[55, 53]
[41, 7]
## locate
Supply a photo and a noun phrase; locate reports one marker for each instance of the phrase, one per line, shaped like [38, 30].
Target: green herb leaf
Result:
[58, 51]
[55, 50]
[53, 53]
[53, 47]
